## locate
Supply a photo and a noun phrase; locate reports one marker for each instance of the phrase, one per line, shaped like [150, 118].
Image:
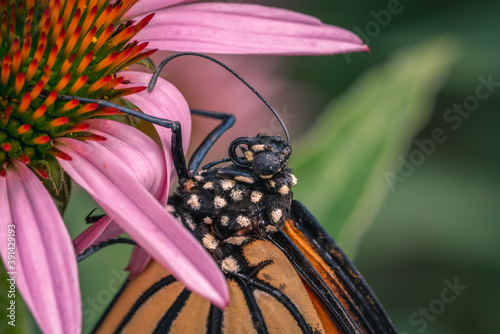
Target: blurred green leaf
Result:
[341, 162]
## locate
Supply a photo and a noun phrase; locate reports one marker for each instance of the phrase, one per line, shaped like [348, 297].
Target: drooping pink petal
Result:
[165, 101]
[148, 166]
[148, 6]
[127, 202]
[44, 257]
[99, 230]
[245, 29]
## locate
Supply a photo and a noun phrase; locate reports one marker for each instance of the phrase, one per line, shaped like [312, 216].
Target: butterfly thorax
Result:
[229, 206]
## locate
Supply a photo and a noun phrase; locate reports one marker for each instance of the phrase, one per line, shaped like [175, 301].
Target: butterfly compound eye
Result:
[266, 163]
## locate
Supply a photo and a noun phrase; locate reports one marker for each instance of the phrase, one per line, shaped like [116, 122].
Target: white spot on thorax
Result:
[255, 196]
[224, 220]
[194, 202]
[237, 195]
[208, 185]
[209, 241]
[276, 215]
[243, 221]
[207, 220]
[219, 202]
[284, 190]
[227, 184]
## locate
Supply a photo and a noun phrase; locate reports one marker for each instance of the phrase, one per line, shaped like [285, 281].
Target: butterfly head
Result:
[263, 155]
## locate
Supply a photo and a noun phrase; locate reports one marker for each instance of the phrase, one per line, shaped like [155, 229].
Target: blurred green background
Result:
[438, 224]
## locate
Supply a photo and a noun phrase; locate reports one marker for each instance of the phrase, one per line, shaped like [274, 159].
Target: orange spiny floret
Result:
[87, 108]
[40, 50]
[44, 24]
[43, 139]
[103, 38]
[25, 51]
[122, 57]
[123, 36]
[78, 84]
[57, 29]
[108, 111]
[114, 13]
[89, 19]
[105, 62]
[144, 22]
[60, 40]
[137, 49]
[74, 22]
[63, 82]
[76, 128]
[58, 122]
[20, 79]
[51, 98]
[55, 10]
[24, 159]
[37, 90]
[104, 14]
[67, 11]
[69, 105]
[40, 170]
[39, 112]
[86, 41]
[15, 46]
[80, 127]
[141, 56]
[72, 42]
[4, 76]
[84, 63]
[6, 147]
[66, 65]
[32, 67]
[23, 129]
[99, 83]
[113, 83]
[25, 103]
[52, 56]
[60, 154]
[16, 61]
[27, 27]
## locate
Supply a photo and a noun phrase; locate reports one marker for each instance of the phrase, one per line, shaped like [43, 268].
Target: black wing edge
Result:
[304, 268]
[371, 311]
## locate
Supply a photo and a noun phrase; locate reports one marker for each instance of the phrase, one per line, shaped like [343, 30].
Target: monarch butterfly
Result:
[285, 273]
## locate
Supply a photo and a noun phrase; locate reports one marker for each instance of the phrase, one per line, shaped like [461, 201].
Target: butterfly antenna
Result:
[158, 70]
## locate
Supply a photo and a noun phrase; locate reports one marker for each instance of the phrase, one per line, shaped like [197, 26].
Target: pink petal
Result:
[45, 260]
[148, 6]
[127, 202]
[135, 150]
[245, 29]
[138, 262]
[93, 233]
[165, 101]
